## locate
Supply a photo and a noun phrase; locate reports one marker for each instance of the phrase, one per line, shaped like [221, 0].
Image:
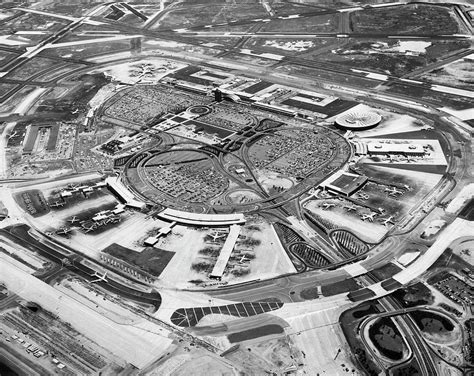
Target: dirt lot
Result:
[278, 352]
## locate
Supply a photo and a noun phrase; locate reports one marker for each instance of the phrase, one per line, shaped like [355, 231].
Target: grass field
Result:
[255, 333]
[5, 89]
[364, 310]
[317, 24]
[386, 271]
[151, 260]
[386, 337]
[412, 296]
[349, 321]
[437, 98]
[204, 15]
[309, 293]
[37, 22]
[431, 322]
[413, 19]
[32, 67]
[339, 287]
[91, 50]
[363, 55]
[316, 74]
[410, 369]
[5, 57]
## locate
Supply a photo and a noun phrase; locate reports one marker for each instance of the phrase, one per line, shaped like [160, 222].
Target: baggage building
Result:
[344, 183]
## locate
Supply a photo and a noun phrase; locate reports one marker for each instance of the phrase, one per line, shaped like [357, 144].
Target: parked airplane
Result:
[243, 259]
[363, 196]
[392, 158]
[73, 220]
[100, 278]
[89, 228]
[351, 208]
[327, 206]
[63, 231]
[216, 236]
[368, 217]
[115, 218]
[393, 191]
[57, 204]
[387, 221]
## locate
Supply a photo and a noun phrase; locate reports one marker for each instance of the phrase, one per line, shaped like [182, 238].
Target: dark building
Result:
[218, 95]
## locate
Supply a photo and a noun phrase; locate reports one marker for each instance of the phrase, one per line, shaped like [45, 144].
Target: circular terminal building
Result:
[358, 120]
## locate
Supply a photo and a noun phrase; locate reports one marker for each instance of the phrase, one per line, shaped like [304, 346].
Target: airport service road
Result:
[20, 235]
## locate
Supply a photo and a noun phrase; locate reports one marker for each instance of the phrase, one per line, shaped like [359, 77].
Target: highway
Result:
[410, 333]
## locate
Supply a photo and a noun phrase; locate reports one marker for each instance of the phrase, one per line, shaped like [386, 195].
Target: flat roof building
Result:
[344, 183]
[379, 148]
[117, 188]
[202, 219]
[150, 241]
[226, 251]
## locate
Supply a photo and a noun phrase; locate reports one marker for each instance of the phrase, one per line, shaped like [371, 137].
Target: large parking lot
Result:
[456, 289]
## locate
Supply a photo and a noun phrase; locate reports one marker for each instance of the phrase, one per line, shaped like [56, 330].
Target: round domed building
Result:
[358, 120]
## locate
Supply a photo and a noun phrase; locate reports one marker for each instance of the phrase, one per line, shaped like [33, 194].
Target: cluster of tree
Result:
[365, 362]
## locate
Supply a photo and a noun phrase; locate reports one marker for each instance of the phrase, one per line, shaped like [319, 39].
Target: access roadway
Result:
[288, 288]
[409, 330]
